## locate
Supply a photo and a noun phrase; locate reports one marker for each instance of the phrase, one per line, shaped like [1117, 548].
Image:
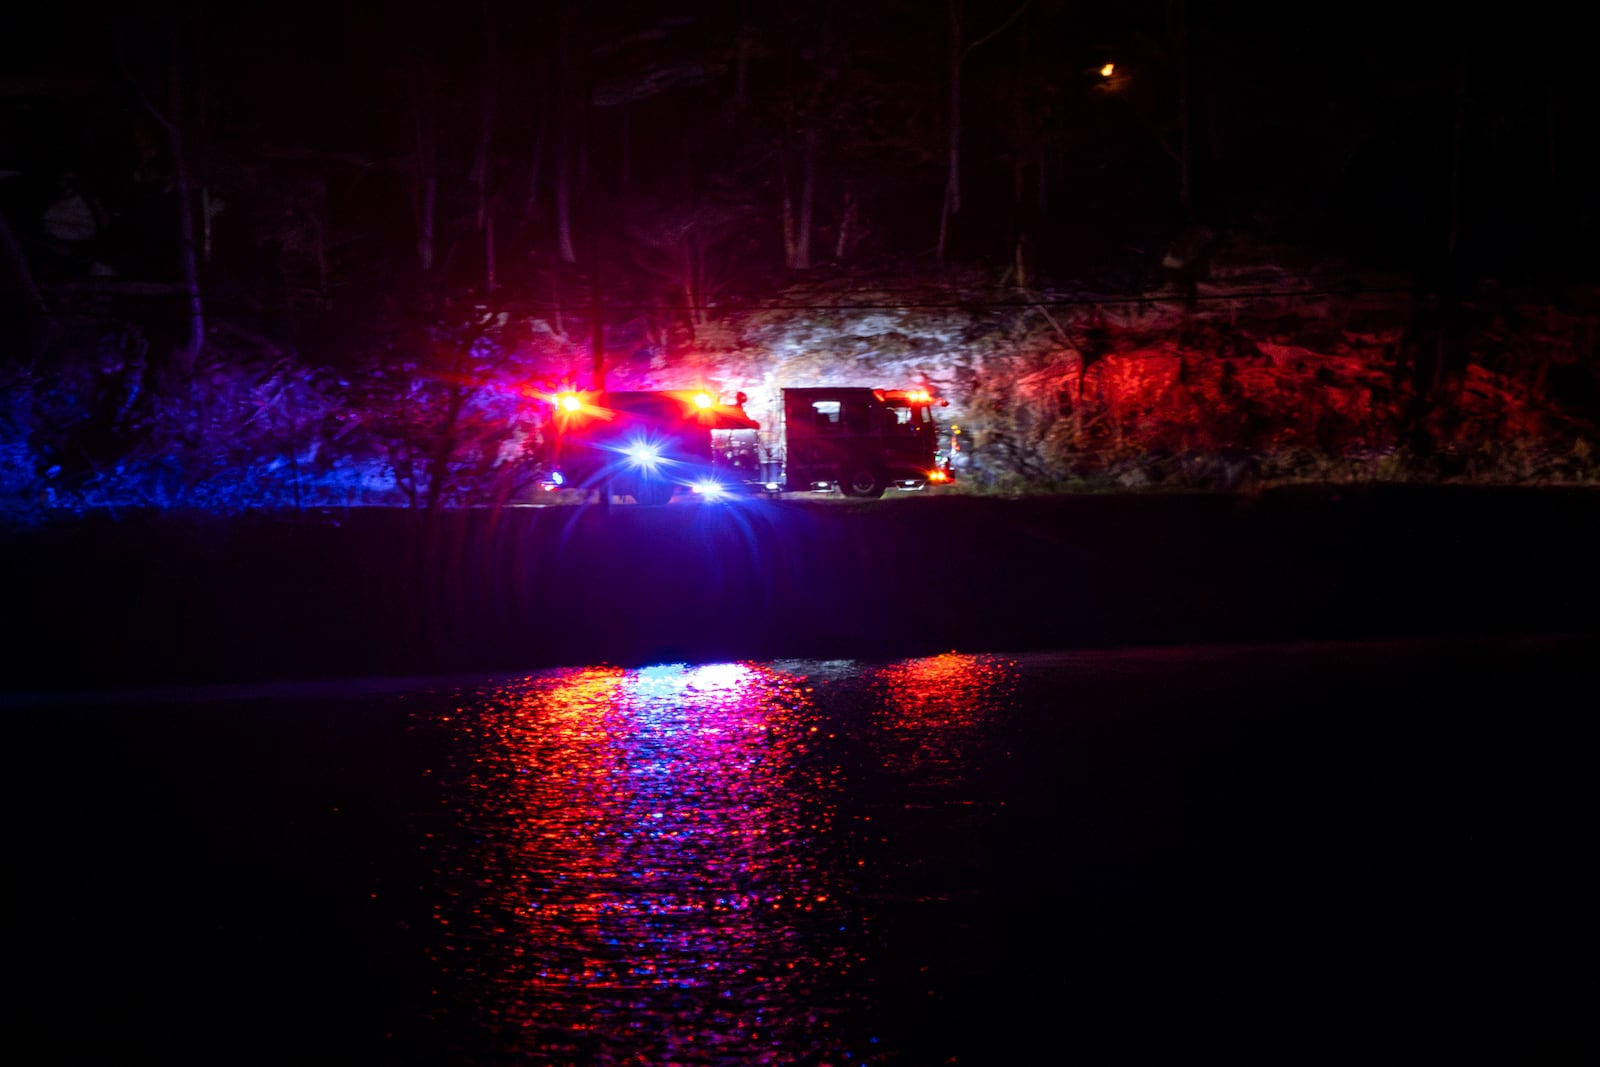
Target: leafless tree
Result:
[955, 59]
[482, 175]
[170, 121]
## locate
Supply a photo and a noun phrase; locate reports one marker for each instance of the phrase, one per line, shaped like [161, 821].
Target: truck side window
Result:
[826, 416]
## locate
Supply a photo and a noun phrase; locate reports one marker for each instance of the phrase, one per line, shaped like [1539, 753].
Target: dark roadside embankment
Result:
[149, 598]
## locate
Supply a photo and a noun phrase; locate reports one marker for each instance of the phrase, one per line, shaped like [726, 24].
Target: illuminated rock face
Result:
[1304, 383]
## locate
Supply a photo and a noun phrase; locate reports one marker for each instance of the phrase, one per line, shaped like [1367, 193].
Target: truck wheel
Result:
[862, 481]
[652, 492]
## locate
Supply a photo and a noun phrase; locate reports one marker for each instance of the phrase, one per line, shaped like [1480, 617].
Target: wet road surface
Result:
[1272, 849]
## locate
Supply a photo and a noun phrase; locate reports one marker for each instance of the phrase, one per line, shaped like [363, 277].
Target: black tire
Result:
[651, 492]
[863, 482]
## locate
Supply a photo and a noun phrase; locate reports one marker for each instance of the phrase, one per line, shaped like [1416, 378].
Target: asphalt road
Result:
[146, 598]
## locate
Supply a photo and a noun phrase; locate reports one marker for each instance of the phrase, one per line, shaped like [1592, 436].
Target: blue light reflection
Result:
[643, 868]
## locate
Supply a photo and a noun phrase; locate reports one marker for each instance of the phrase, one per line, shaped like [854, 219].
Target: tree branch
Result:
[997, 31]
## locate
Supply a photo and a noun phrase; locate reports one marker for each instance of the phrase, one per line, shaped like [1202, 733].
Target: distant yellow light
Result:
[703, 400]
[570, 402]
[1108, 70]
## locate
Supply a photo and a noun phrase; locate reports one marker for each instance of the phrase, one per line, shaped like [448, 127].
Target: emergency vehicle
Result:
[861, 440]
[650, 444]
[643, 444]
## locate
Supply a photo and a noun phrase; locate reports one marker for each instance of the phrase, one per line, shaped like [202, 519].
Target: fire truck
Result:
[643, 444]
[862, 441]
[651, 444]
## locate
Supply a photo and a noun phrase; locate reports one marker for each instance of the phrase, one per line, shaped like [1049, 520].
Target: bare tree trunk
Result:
[425, 165]
[687, 279]
[956, 57]
[951, 204]
[1178, 36]
[808, 198]
[798, 217]
[702, 314]
[791, 245]
[847, 227]
[1457, 126]
[530, 199]
[206, 215]
[741, 78]
[202, 99]
[489, 280]
[483, 163]
[564, 150]
[191, 274]
[564, 198]
[195, 339]
[564, 192]
[557, 324]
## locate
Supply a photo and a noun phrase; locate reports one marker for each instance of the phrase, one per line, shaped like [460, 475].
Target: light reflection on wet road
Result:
[961, 858]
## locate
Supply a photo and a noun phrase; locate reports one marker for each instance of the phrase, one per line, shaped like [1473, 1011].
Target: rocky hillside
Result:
[1255, 373]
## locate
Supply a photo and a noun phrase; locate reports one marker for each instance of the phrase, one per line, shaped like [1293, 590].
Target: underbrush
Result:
[1501, 463]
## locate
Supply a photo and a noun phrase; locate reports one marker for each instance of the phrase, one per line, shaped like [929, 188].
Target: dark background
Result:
[1353, 130]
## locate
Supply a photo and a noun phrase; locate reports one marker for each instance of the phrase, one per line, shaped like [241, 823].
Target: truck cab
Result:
[862, 440]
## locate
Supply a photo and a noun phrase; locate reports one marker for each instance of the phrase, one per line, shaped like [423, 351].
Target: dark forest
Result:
[339, 253]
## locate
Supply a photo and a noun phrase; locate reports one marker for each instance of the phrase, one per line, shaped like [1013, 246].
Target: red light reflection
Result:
[934, 712]
[631, 868]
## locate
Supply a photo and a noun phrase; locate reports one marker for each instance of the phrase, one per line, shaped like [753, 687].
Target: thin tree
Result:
[1178, 43]
[483, 161]
[956, 58]
[564, 137]
[798, 216]
[194, 341]
[424, 162]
